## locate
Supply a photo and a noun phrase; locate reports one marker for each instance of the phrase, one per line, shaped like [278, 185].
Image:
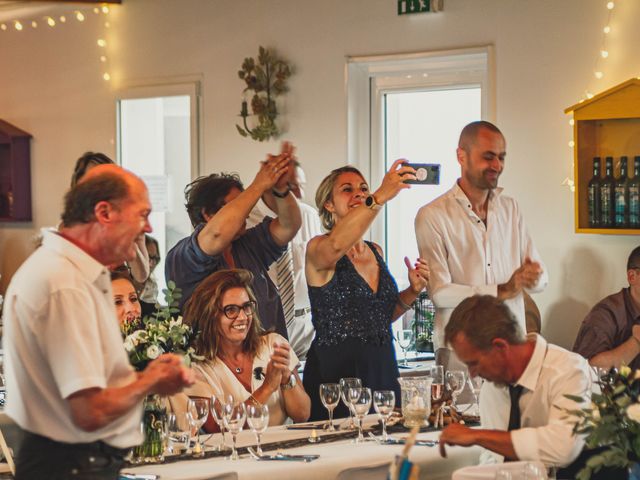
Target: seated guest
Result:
[610, 333]
[125, 298]
[149, 289]
[523, 400]
[354, 298]
[218, 207]
[241, 359]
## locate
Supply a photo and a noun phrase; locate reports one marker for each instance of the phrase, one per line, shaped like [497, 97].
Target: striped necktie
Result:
[284, 269]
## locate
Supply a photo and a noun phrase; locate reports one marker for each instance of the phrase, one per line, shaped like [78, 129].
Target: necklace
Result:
[234, 367]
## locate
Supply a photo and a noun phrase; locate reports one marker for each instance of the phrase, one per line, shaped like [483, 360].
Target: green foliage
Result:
[267, 79]
[147, 339]
[612, 421]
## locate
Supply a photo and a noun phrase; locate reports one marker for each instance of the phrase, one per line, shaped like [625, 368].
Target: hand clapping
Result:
[418, 274]
[278, 371]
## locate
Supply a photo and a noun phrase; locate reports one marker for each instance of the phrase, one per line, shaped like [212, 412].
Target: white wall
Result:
[51, 86]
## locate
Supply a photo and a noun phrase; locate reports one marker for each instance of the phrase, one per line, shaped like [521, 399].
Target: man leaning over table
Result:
[71, 388]
[474, 237]
[523, 418]
[610, 333]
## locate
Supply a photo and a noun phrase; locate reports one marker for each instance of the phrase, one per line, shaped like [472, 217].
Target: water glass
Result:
[404, 339]
[199, 408]
[503, 473]
[534, 471]
[330, 397]
[258, 420]
[361, 404]
[384, 402]
[234, 418]
[179, 431]
[217, 412]
[345, 385]
[437, 386]
[455, 383]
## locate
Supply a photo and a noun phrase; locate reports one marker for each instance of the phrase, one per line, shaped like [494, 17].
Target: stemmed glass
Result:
[455, 382]
[199, 409]
[437, 389]
[258, 420]
[476, 385]
[217, 412]
[234, 418]
[330, 397]
[345, 385]
[404, 338]
[361, 404]
[383, 402]
[179, 431]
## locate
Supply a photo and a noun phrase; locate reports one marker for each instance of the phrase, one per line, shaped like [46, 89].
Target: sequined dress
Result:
[353, 333]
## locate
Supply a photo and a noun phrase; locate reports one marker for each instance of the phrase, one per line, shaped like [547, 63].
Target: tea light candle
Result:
[314, 438]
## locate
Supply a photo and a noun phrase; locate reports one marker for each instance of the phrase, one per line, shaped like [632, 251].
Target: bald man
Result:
[474, 237]
[73, 391]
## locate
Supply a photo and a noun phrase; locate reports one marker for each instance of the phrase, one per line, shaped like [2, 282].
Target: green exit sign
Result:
[407, 7]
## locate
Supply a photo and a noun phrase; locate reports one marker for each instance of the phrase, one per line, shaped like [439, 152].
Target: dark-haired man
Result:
[610, 333]
[522, 414]
[218, 207]
[474, 237]
[73, 391]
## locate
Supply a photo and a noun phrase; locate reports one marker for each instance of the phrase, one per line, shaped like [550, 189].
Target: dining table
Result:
[338, 456]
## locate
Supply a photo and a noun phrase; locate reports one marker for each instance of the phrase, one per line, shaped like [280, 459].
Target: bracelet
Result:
[255, 400]
[402, 304]
[281, 194]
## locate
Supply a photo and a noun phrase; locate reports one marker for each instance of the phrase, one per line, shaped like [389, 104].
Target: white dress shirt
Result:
[467, 257]
[301, 330]
[546, 429]
[62, 336]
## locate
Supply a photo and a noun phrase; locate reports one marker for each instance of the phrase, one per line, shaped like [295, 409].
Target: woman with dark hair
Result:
[241, 359]
[125, 297]
[354, 298]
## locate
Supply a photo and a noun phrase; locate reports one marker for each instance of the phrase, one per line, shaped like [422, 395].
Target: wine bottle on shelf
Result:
[634, 195]
[621, 188]
[594, 195]
[607, 195]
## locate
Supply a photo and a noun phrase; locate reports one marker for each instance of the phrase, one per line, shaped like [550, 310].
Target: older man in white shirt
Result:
[524, 415]
[474, 237]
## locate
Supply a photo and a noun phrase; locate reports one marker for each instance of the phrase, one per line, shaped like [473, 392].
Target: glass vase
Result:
[154, 427]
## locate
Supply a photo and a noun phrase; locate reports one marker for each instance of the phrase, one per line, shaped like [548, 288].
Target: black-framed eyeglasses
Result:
[232, 311]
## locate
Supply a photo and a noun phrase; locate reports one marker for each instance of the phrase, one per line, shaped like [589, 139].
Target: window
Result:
[413, 106]
[158, 140]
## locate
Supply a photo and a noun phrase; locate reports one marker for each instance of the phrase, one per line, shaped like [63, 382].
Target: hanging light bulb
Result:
[80, 16]
[34, 24]
[63, 19]
[103, 59]
[604, 53]
[598, 75]
[101, 43]
[17, 25]
[572, 144]
[106, 76]
[3, 26]
[610, 5]
[606, 29]
[107, 25]
[96, 10]
[105, 9]
[589, 95]
[572, 122]
[51, 22]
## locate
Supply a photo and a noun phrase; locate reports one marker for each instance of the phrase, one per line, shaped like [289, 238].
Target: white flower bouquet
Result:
[147, 339]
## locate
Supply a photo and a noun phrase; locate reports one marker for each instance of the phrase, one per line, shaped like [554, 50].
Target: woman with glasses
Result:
[240, 358]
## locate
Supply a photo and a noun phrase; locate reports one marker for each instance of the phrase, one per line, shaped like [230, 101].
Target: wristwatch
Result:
[371, 203]
[290, 384]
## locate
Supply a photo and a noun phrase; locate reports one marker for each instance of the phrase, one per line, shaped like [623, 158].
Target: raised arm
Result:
[325, 250]
[222, 227]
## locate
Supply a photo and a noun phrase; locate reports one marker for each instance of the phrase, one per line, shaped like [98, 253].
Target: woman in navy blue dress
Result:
[354, 298]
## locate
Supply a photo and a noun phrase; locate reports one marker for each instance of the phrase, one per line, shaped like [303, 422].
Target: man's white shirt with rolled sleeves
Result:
[546, 432]
[467, 257]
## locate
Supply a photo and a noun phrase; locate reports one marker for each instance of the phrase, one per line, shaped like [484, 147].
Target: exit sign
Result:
[406, 7]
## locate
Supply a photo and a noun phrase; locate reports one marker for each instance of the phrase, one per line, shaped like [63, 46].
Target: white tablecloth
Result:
[335, 457]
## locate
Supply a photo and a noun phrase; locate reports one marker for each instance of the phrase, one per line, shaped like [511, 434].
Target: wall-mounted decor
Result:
[265, 80]
[15, 176]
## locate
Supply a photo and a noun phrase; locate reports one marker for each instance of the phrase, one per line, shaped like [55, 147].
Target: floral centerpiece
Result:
[612, 421]
[145, 340]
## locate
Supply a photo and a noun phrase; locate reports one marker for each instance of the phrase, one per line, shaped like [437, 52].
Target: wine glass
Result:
[345, 385]
[361, 404]
[179, 431]
[199, 408]
[476, 385]
[330, 396]
[217, 412]
[437, 390]
[258, 420]
[383, 402]
[455, 383]
[404, 338]
[234, 418]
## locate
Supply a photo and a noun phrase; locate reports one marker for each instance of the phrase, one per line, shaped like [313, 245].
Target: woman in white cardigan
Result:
[241, 359]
